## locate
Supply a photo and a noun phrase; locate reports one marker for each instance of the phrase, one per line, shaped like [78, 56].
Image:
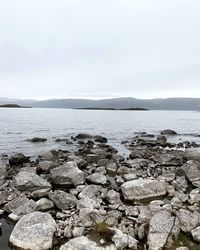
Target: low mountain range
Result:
[115, 103]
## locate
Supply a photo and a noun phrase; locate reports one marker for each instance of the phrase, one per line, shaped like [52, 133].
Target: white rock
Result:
[34, 232]
[143, 189]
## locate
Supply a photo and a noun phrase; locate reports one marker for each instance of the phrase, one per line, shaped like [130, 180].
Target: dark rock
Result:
[37, 139]
[83, 136]
[18, 159]
[168, 132]
[100, 139]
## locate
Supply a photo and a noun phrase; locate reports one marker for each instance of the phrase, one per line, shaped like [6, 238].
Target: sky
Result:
[99, 48]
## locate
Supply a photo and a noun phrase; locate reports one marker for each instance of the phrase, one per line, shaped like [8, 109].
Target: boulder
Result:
[67, 175]
[192, 154]
[83, 243]
[37, 139]
[100, 139]
[192, 170]
[45, 166]
[44, 204]
[21, 206]
[27, 181]
[83, 136]
[34, 231]
[123, 241]
[168, 132]
[97, 178]
[18, 159]
[160, 227]
[63, 200]
[143, 189]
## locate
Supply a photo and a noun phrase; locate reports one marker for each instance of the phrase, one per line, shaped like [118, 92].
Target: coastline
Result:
[94, 179]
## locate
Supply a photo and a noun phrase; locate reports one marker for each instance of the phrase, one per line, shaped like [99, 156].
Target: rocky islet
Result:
[93, 198]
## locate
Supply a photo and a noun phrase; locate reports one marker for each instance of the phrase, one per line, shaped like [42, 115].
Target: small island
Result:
[13, 106]
[117, 109]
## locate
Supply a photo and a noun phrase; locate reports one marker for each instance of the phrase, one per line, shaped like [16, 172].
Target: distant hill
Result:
[115, 103]
[12, 106]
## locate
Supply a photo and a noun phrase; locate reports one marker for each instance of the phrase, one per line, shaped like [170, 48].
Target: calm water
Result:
[18, 125]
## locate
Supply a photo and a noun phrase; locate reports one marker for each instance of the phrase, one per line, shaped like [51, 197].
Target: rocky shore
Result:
[92, 198]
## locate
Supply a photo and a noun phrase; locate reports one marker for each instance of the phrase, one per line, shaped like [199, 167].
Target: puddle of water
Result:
[7, 228]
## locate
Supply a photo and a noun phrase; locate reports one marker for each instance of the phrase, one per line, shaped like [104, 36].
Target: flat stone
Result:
[44, 204]
[143, 189]
[34, 231]
[97, 178]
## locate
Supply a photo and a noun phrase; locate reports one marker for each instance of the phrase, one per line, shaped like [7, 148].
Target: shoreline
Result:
[93, 194]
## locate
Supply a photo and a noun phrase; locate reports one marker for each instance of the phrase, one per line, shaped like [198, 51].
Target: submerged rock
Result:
[34, 232]
[168, 132]
[37, 139]
[143, 189]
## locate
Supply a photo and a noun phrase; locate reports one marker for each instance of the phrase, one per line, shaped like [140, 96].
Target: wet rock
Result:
[83, 136]
[83, 242]
[168, 132]
[100, 139]
[34, 232]
[160, 227]
[97, 178]
[67, 175]
[143, 189]
[18, 159]
[192, 170]
[37, 139]
[196, 234]
[26, 181]
[63, 200]
[188, 220]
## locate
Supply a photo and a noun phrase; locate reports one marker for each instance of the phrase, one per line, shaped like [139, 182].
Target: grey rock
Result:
[123, 241]
[97, 178]
[188, 220]
[192, 170]
[67, 175]
[192, 154]
[3, 174]
[160, 227]
[44, 204]
[45, 166]
[143, 189]
[34, 232]
[113, 197]
[21, 206]
[83, 243]
[63, 200]
[18, 159]
[168, 132]
[196, 234]
[26, 181]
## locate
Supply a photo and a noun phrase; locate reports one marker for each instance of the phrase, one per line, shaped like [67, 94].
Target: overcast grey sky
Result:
[99, 48]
